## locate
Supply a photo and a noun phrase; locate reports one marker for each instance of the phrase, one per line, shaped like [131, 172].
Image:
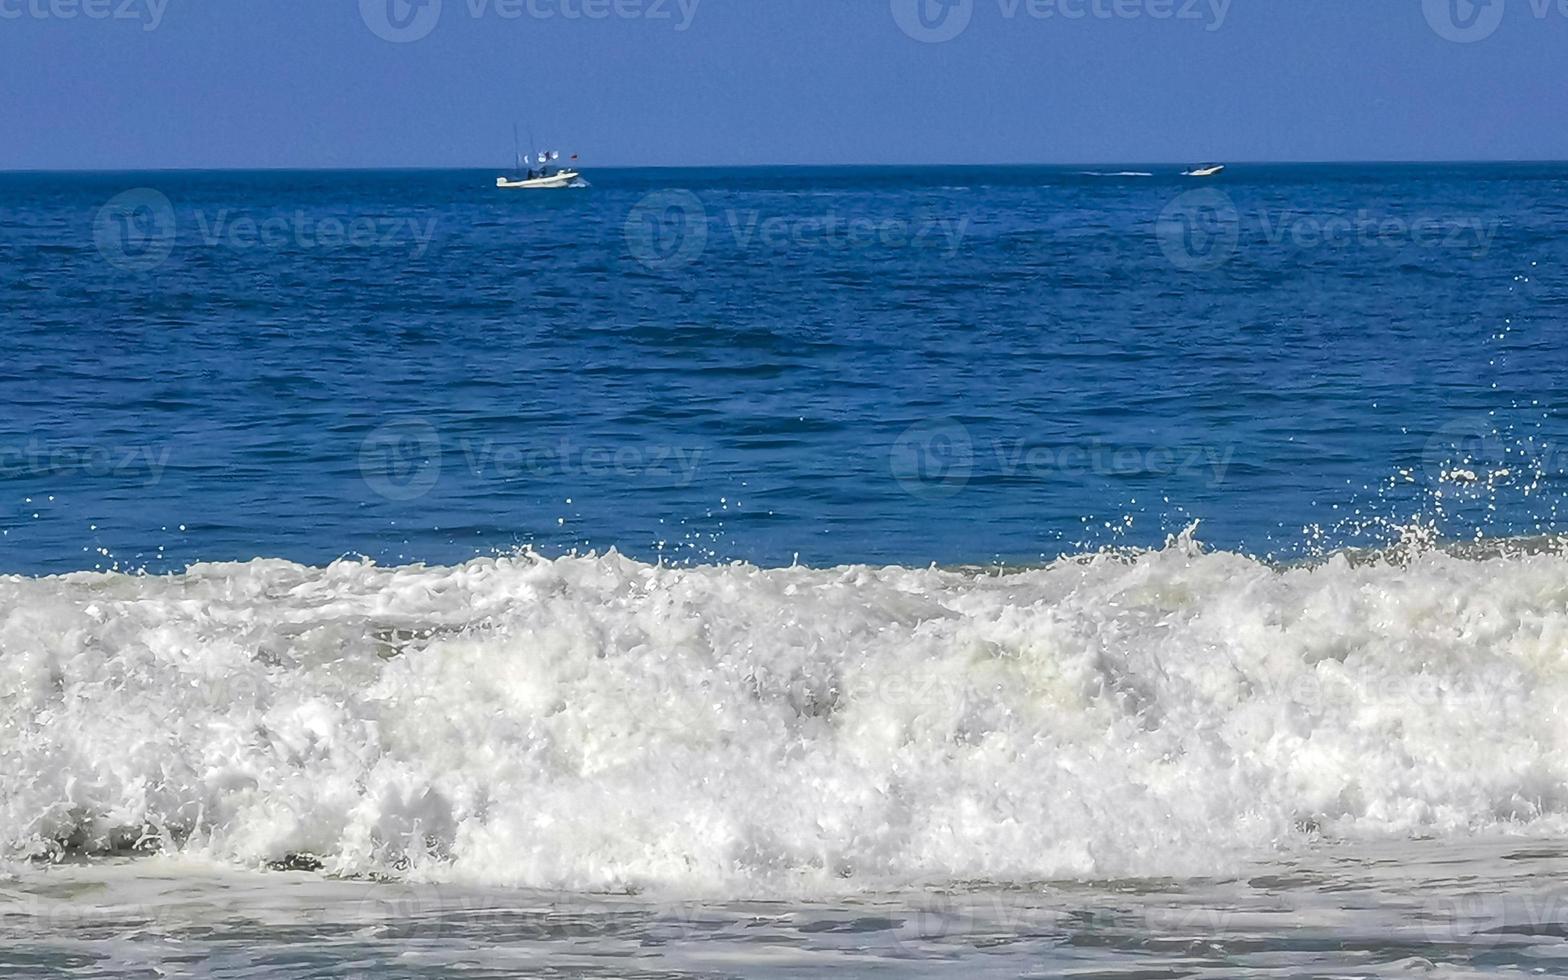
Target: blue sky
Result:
[343, 83]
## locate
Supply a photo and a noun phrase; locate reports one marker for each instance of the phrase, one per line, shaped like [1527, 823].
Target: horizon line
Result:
[782, 166]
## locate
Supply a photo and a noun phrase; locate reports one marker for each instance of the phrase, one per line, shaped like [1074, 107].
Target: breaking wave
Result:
[600, 723]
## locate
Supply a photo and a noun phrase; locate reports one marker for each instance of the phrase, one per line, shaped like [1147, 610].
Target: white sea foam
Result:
[601, 723]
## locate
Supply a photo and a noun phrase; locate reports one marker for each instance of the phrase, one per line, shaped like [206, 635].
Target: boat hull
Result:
[552, 182]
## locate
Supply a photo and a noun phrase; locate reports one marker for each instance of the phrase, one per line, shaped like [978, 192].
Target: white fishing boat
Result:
[539, 171]
[1207, 170]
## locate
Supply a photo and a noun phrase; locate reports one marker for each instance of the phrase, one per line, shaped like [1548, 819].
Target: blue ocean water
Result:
[497, 749]
[950, 365]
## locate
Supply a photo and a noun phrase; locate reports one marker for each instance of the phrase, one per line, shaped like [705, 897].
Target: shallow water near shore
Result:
[1491, 907]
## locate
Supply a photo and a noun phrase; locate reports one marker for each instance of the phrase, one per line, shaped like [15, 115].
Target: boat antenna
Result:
[517, 150]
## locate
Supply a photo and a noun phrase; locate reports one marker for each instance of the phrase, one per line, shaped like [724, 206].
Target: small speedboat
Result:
[546, 181]
[1207, 170]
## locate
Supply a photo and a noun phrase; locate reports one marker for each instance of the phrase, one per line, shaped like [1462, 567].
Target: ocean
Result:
[984, 571]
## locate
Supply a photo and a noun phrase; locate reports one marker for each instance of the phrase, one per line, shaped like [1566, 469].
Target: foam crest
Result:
[598, 723]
